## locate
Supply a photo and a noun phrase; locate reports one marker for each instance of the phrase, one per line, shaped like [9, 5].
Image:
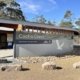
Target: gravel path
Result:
[35, 72]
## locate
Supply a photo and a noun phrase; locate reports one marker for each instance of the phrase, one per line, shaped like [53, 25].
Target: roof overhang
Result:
[14, 25]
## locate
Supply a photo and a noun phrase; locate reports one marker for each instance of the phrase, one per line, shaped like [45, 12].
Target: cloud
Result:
[37, 7]
[33, 7]
[53, 2]
[29, 7]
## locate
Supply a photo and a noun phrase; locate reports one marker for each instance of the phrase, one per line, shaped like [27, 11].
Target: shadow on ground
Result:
[59, 68]
[25, 69]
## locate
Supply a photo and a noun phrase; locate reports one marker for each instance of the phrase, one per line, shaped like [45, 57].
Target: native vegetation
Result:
[11, 10]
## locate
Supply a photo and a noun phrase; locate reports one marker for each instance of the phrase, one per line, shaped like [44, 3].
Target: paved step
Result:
[6, 52]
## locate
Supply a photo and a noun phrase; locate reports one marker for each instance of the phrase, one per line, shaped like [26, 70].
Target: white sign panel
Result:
[9, 37]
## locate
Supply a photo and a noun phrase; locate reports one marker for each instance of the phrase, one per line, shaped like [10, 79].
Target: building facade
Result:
[34, 39]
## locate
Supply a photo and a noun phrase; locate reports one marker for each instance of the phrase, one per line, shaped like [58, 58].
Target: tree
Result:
[6, 1]
[51, 23]
[68, 15]
[15, 4]
[66, 24]
[12, 10]
[67, 21]
[19, 14]
[2, 5]
[78, 23]
[2, 9]
[40, 19]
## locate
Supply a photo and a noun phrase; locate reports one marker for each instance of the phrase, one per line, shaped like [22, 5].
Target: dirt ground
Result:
[35, 72]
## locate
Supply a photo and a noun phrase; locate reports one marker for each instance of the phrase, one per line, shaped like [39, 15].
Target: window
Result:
[35, 30]
[43, 31]
[30, 30]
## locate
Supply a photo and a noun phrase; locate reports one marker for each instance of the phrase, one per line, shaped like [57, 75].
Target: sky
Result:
[51, 9]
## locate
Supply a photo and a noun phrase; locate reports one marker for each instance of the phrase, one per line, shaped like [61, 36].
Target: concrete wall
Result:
[76, 50]
[58, 46]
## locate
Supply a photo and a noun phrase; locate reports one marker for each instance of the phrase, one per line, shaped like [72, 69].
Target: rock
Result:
[3, 67]
[19, 67]
[10, 67]
[48, 66]
[76, 65]
[38, 59]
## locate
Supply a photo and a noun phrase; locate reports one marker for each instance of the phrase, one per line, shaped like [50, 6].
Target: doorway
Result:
[3, 40]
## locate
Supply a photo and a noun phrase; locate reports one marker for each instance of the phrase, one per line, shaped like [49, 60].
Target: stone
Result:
[3, 67]
[76, 65]
[48, 66]
[38, 59]
[10, 67]
[19, 67]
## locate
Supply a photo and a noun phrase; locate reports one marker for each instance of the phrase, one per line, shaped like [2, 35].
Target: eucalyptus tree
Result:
[2, 9]
[51, 23]
[68, 15]
[67, 24]
[67, 20]
[40, 19]
[77, 22]
[12, 10]
[2, 5]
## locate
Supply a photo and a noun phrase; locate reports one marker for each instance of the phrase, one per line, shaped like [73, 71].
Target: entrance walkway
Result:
[6, 53]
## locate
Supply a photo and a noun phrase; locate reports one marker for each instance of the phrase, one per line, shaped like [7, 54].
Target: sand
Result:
[35, 72]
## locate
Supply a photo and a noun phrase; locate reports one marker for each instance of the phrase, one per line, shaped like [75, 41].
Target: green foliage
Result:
[11, 11]
[67, 21]
[51, 23]
[78, 22]
[67, 24]
[2, 4]
[15, 3]
[40, 19]
[67, 14]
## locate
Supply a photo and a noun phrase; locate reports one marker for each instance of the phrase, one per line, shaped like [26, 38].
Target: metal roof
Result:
[35, 24]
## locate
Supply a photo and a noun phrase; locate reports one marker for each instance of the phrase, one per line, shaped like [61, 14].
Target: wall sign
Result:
[33, 41]
[24, 37]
